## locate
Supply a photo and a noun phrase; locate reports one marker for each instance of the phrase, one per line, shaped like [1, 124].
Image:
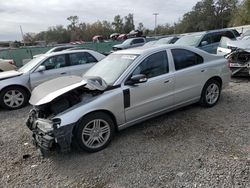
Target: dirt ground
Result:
[190, 147]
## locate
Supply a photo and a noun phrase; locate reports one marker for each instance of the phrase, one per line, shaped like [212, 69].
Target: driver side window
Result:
[154, 65]
[55, 62]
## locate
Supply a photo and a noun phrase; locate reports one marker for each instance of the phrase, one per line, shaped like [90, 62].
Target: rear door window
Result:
[185, 58]
[81, 58]
[137, 41]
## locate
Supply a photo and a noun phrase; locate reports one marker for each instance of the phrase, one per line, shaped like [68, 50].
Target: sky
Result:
[38, 15]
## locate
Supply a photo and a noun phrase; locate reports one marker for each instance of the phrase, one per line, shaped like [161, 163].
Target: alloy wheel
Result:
[212, 93]
[96, 133]
[13, 98]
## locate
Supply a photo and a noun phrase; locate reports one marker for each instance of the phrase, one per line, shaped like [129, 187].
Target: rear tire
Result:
[210, 93]
[95, 131]
[13, 97]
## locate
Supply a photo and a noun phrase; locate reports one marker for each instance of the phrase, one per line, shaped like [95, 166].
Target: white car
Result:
[124, 89]
[16, 85]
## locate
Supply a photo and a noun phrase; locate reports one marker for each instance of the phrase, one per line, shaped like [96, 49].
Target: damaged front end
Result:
[52, 98]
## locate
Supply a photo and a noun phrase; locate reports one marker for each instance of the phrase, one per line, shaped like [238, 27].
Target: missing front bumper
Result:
[48, 141]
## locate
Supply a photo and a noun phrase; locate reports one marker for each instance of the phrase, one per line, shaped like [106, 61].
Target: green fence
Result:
[18, 55]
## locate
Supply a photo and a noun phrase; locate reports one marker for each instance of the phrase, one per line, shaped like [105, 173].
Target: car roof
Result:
[68, 52]
[150, 49]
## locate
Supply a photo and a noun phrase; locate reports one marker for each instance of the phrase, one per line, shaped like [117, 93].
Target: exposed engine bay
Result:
[66, 101]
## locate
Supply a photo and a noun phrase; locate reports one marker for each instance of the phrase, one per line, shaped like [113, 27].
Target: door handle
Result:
[203, 70]
[166, 81]
[63, 73]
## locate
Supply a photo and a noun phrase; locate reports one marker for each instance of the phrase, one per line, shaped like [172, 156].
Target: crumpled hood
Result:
[9, 74]
[48, 91]
[242, 44]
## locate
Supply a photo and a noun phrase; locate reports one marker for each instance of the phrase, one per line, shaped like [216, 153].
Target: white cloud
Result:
[35, 16]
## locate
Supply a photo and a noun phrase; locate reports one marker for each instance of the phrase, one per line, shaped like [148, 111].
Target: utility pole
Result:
[22, 35]
[155, 14]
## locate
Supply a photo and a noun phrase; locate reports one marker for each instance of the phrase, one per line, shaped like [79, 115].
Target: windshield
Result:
[189, 40]
[127, 42]
[111, 67]
[31, 64]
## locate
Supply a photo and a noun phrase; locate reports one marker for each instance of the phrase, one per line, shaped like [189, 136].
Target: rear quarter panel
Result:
[218, 66]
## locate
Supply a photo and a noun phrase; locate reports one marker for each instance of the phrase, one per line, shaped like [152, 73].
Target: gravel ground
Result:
[190, 147]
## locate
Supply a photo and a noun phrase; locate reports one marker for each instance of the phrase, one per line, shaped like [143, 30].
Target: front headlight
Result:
[47, 125]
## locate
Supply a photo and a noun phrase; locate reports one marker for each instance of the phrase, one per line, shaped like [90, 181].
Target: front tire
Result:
[211, 93]
[13, 98]
[95, 131]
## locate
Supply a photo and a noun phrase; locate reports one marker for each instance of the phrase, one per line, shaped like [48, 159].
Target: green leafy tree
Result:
[140, 26]
[118, 24]
[207, 15]
[129, 23]
[242, 14]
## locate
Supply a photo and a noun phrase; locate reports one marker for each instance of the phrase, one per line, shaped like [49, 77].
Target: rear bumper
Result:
[240, 71]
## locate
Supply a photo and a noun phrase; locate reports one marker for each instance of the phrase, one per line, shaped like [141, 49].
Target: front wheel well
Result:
[217, 78]
[110, 114]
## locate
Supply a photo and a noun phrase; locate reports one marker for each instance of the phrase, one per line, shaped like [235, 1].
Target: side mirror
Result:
[41, 68]
[204, 43]
[131, 43]
[136, 79]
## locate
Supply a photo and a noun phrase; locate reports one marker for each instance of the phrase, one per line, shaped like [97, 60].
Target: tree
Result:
[73, 22]
[118, 24]
[207, 15]
[241, 14]
[29, 38]
[140, 26]
[57, 34]
[129, 23]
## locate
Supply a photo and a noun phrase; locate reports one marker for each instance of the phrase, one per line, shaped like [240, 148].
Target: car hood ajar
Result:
[48, 91]
[9, 74]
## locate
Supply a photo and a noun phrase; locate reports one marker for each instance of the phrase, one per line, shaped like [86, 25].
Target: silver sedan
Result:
[125, 88]
[16, 86]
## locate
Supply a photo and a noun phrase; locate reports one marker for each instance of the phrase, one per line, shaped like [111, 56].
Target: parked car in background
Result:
[239, 57]
[165, 40]
[114, 36]
[150, 43]
[246, 35]
[56, 49]
[7, 64]
[124, 89]
[122, 37]
[130, 43]
[207, 41]
[223, 47]
[98, 38]
[16, 86]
